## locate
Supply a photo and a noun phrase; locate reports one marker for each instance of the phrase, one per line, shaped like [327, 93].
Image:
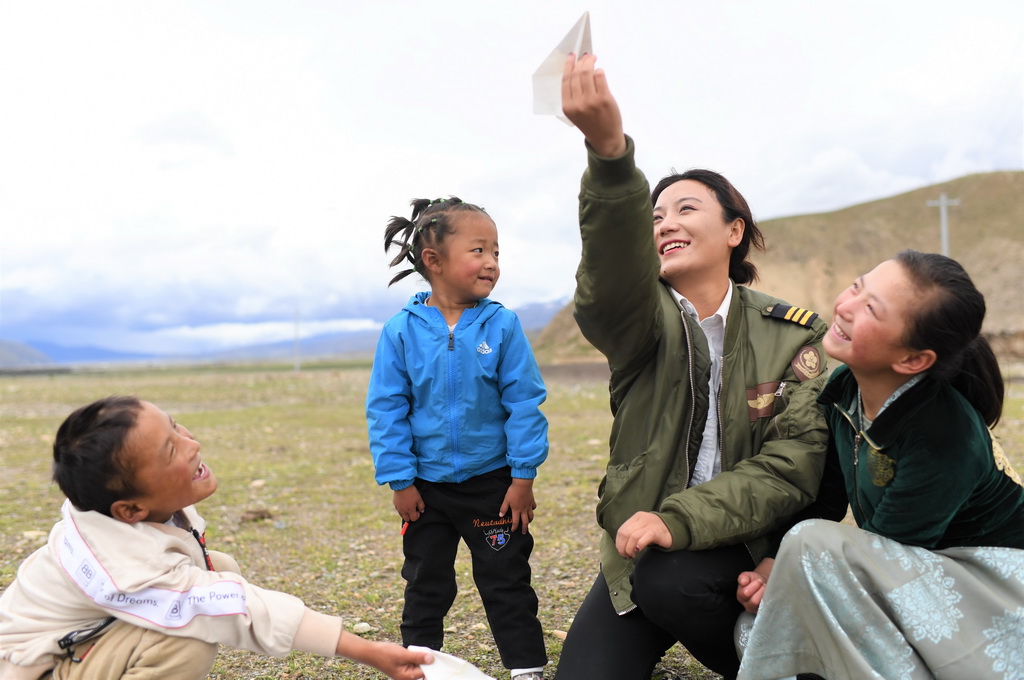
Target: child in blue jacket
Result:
[456, 431]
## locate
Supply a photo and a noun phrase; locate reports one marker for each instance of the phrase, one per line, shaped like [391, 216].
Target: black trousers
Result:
[501, 567]
[685, 596]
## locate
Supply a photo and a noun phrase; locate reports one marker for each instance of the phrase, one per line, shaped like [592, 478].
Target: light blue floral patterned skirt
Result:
[846, 603]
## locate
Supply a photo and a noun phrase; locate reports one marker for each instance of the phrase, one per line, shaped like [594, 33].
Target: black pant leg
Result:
[692, 595]
[430, 545]
[602, 644]
[501, 570]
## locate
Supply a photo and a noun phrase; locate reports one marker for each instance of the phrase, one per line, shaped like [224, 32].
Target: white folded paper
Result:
[448, 667]
[547, 79]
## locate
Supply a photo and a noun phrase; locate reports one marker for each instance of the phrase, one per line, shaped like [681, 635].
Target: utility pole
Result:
[943, 205]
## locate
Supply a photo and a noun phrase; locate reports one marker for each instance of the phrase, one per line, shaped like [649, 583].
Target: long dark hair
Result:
[89, 462]
[741, 270]
[948, 322]
[430, 223]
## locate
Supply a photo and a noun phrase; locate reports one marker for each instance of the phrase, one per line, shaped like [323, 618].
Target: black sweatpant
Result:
[501, 567]
[685, 596]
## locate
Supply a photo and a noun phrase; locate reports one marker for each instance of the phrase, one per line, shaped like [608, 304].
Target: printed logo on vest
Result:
[483, 348]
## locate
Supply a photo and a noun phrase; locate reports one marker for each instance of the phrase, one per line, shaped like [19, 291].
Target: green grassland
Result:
[298, 506]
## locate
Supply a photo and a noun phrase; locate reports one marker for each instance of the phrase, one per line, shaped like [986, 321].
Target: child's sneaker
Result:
[528, 676]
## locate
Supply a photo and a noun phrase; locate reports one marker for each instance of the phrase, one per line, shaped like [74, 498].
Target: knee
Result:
[811, 536]
[683, 580]
[655, 584]
[187, 657]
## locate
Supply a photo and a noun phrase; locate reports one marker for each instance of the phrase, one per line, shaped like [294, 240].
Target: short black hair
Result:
[89, 464]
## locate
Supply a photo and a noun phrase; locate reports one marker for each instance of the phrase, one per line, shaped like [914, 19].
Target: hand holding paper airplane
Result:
[547, 79]
[448, 667]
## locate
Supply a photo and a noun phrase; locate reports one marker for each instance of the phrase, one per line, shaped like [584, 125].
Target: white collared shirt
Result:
[709, 462]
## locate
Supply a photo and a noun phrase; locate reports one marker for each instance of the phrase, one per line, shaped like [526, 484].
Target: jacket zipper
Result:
[693, 391]
[721, 437]
[689, 423]
[857, 436]
[452, 424]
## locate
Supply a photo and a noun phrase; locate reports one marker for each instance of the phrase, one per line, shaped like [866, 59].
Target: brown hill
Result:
[810, 258]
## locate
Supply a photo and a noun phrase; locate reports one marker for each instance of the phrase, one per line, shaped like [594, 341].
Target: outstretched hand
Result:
[589, 104]
[392, 660]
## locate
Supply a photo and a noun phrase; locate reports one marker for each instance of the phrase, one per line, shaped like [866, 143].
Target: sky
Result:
[179, 177]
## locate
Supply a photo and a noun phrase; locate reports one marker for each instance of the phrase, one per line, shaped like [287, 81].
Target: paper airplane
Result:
[448, 667]
[547, 79]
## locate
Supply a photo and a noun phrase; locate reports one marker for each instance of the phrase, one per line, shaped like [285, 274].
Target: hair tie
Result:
[433, 220]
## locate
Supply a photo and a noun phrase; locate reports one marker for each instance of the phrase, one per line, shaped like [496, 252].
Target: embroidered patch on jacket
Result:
[483, 348]
[807, 363]
[496, 531]
[804, 317]
[881, 467]
[1002, 462]
[761, 400]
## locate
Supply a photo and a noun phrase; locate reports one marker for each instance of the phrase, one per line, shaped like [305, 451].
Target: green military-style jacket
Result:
[773, 433]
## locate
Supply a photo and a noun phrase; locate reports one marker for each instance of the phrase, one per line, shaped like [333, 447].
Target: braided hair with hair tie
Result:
[428, 226]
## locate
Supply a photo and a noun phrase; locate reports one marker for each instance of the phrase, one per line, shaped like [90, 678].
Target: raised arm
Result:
[616, 301]
[588, 103]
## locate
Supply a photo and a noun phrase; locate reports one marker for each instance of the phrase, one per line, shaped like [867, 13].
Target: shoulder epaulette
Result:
[804, 317]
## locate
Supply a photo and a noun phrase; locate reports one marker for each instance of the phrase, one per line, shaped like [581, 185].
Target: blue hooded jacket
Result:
[445, 407]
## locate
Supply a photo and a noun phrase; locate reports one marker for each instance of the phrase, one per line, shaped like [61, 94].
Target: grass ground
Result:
[298, 507]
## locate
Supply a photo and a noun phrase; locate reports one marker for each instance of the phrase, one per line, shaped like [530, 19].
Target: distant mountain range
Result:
[810, 258]
[534, 318]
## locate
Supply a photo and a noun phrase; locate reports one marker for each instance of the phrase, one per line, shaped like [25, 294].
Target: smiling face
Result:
[468, 268]
[870, 322]
[691, 236]
[166, 467]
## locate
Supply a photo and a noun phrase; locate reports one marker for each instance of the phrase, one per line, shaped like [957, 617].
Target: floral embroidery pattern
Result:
[925, 606]
[1002, 462]
[888, 610]
[885, 648]
[1007, 648]
[839, 590]
[881, 467]
[1007, 562]
[743, 638]
[801, 526]
[907, 556]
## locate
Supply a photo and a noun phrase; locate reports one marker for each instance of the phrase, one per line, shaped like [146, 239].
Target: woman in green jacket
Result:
[717, 440]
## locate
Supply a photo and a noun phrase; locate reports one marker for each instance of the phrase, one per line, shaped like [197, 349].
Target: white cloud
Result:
[187, 165]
